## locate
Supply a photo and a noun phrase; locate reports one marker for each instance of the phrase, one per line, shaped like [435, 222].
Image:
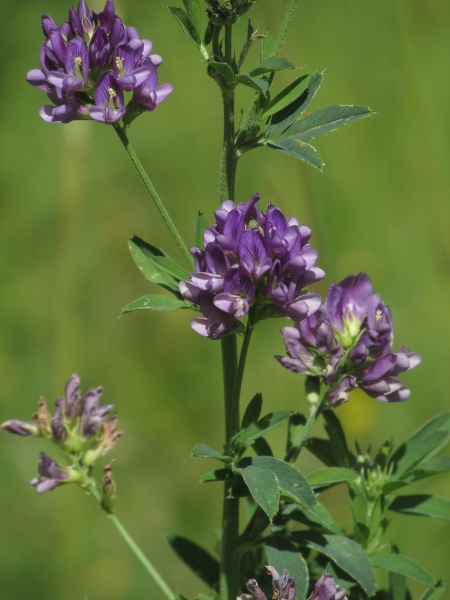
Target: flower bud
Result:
[227, 12]
[108, 488]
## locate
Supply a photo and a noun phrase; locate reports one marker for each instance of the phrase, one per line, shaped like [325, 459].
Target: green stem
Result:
[285, 24]
[228, 163]
[154, 195]
[142, 558]
[241, 366]
[90, 485]
[229, 561]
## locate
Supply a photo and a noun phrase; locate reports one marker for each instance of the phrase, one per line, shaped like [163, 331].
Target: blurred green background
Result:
[70, 199]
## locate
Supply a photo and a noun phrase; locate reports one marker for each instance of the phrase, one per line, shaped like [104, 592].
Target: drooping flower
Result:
[348, 343]
[283, 587]
[80, 427]
[52, 475]
[326, 589]
[88, 62]
[254, 263]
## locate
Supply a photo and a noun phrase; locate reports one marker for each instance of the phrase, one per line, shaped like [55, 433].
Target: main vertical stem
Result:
[229, 566]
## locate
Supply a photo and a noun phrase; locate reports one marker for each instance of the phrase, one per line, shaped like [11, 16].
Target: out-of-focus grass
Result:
[70, 200]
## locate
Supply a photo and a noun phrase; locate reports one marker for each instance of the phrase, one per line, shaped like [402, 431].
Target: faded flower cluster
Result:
[254, 263]
[284, 588]
[89, 62]
[348, 343]
[227, 12]
[81, 429]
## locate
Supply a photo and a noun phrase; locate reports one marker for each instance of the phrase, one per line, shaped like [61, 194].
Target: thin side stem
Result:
[142, 558]
[241, 367]
[284, 28]
[154, 195]
[90, 485]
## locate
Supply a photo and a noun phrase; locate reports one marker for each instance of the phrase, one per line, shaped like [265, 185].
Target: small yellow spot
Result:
[77, 61]
[119, 62]
[276, 595]
[111, 92]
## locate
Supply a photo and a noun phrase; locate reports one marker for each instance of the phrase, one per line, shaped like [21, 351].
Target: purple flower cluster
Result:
[284, 588]
[88, 62]
[79, 426]
[348, 344]
[254, 263]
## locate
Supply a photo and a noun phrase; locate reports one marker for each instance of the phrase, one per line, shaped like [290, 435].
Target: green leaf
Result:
[256, 83]
[282, 554]
[323, 450]
[268, 65]
[194, 10]
[396, 563]
[155, 265]
[217, 475]
[424, 444]
[291, 482]
[436, 465]
[298, 149]
[143, 255]
[253, 411]
[224, 69]
[331, 476]
[263, 426]
[155, 302]
[436, 593]
[325, 120]
[319, 515]
[285, 117]
[197, 559]
[262, 448]
[336, 434]
[263, 486]
[202, 224]
[345, 553]
[188, 27]
[205, 451]
[422, 505]
[290, 93]
[376, 518]
[267, 44]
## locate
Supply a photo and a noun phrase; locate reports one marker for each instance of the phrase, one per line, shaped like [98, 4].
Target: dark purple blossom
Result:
[348, 343]
[254, 263]
[88, 62]
[51, 475]
[283, 587]
[326, 589]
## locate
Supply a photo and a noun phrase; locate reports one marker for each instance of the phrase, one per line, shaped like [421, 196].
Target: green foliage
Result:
[325, 478]
[401, 565]
[205, 451]
[190, 22]
[422, 505]
[263, 486]
[155, 302]
[201, 225]
[197, 559]
[345, 553]
[282, 554]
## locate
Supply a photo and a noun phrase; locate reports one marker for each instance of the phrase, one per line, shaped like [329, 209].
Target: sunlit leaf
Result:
[299, 150]
[325, 120]
[197, 559]
[155, 302]
[422, 505]
[263, 486]
[402, 565]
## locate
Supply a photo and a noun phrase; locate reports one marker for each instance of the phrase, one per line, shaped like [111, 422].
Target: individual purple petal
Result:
[283, 584]
[99, 49]
[117, 33]
[58, 114]
[326, 589]
[255, 590]
[106, 17]
[303, 306]
[209, 282]
[216, 261]
[109, 101]
[51, 475]
[38, 80]
[189, 291]
[47, 24]
[75, 22]
[77, 65]
[20, 428]
[72, 396]
[56, 47]
[253, 253]
[341, 392]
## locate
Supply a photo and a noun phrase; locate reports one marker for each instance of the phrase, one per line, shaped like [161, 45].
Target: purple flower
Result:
[348, 344]
[283, 587]
[76, 58]
[51, 475]
[254, 263]
[78, 426]
[326, 589]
